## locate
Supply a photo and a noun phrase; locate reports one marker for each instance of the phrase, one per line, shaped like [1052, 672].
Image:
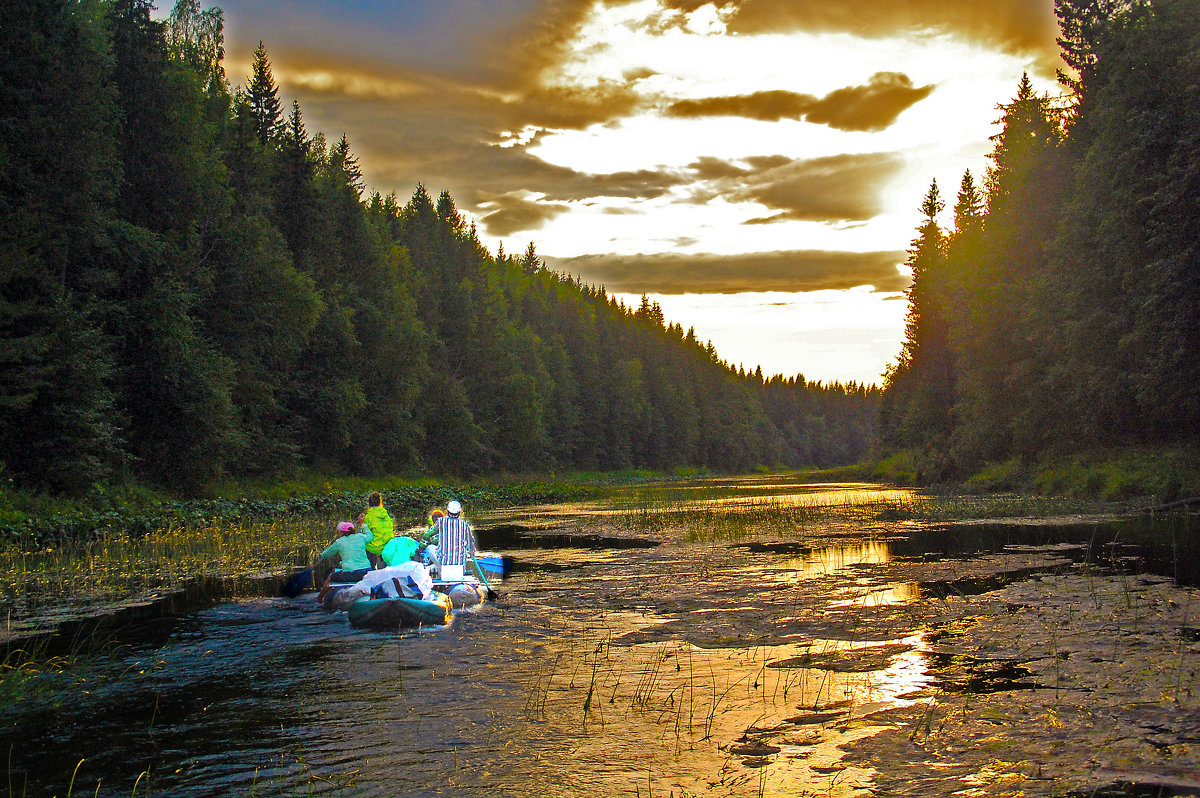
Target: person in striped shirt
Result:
[455, 542]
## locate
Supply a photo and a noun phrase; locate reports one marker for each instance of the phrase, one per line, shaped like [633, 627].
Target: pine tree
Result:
[920, 388]
[264, 98]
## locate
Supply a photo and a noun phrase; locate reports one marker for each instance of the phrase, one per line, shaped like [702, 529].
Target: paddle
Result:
[295, 585]
[491, 594]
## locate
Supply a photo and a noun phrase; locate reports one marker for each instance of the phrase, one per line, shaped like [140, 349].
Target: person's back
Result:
[351, 548]
[455, 542]
[382, 527]
[398, 550]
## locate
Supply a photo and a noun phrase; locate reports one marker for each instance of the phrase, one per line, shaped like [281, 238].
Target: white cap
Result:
[454, 508]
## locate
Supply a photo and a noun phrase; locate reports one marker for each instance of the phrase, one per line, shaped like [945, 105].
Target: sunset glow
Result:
[615, 135]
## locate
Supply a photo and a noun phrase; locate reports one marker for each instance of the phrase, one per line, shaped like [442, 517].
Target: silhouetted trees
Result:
[1075, 321]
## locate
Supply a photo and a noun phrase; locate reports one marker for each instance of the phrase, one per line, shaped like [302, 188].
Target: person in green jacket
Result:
[382, 528]
[351, 548]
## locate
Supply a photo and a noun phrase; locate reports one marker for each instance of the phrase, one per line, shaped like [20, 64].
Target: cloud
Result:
[767, 106]
[465, 41]
[510, 213]
[1025, 28]
[870, 107]
[795, 271]
[836, 188]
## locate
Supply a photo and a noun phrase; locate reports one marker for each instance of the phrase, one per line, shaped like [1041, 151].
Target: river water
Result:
[769, 665]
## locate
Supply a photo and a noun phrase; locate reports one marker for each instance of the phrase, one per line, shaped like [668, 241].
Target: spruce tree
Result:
[264, 98]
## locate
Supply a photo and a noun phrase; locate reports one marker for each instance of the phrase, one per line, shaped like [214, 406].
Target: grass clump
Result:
[1147, 475]
[900, 468]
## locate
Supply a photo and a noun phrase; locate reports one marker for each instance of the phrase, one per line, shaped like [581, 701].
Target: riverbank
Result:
[33, 520]
[1141, 477]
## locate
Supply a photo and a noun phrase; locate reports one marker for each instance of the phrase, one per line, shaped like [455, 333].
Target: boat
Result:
[389, 614]
[495, 566]
[445, 597]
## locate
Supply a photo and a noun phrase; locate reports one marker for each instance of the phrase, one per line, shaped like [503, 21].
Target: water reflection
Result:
[703, 495]
[685, 668]
[827, 559]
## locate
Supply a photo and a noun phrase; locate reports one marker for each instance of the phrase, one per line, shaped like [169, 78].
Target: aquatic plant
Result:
[778, 512]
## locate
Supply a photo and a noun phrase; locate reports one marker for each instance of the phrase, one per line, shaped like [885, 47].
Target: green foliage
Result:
[38, 520]
[1073, 286]
[997, 477]
[194, 289]
[1160, 474]
[898, 468]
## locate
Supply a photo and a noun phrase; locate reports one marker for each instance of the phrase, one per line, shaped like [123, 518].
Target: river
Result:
[852, 657]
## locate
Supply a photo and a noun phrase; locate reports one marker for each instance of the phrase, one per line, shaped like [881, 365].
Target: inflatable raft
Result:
[389, 614]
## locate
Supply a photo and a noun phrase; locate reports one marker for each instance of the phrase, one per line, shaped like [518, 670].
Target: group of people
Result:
[374, 558]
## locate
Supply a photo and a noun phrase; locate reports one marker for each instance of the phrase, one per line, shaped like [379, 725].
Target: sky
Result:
[754, 166]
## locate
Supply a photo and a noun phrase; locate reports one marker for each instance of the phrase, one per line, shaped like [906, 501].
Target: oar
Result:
[491, 594]
[295, 585]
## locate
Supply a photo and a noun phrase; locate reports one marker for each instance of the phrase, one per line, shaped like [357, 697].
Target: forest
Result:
[1061, 312]
[194, 288]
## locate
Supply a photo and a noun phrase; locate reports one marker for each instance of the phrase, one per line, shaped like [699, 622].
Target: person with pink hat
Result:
[351, 551]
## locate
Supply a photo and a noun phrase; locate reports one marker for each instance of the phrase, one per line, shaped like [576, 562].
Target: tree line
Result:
[1061, 312]
[193, 287]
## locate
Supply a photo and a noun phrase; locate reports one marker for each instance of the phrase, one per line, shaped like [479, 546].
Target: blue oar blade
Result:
[295, 585]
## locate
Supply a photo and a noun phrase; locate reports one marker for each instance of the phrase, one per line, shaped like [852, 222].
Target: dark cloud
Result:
[464, 41]
[801, 270]
[870, 107]
[1025, 28]
[836, 188]
[506, 214]
[451, 141]
[768, 106]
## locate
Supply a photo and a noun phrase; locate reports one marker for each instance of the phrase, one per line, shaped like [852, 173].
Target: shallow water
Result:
[607, 668]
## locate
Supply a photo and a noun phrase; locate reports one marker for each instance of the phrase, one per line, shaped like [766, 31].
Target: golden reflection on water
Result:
[702, 712]
[706, 496]
[828, 559]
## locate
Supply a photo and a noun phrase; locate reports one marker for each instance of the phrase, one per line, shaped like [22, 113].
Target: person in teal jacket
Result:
[352, 563]
[381, 526]
[351, 548]
[399, 549]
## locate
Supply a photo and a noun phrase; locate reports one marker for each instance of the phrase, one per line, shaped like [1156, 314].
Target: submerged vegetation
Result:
[790, 507]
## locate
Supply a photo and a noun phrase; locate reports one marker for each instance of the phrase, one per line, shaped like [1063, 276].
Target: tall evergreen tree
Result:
[264, 98]
[59, 173]
[920, 387]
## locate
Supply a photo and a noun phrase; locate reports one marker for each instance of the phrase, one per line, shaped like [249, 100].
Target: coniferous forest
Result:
[194, 287]
[1061, 312]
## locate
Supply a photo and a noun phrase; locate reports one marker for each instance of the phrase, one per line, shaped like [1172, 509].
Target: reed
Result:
[696, 519]
[115, 566]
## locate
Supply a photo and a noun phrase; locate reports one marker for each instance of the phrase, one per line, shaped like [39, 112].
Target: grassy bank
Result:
[1138, 477]
[37, 520]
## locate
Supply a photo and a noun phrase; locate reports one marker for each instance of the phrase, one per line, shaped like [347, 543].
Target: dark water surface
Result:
[608, 667]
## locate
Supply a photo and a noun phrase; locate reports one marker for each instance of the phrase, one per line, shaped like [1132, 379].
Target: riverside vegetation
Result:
[1058, 315]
